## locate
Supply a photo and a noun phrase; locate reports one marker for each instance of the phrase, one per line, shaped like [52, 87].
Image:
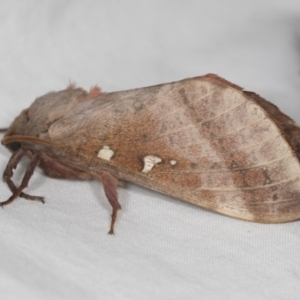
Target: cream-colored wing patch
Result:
[106, 153]
[149, 162]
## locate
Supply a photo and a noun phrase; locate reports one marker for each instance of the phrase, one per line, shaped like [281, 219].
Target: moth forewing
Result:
[202, 140]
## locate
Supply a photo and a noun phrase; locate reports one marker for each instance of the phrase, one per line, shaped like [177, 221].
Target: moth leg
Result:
[12, 164]
[8, 173]
[110, 188]
[113, 220]
[121, 183]
[29, 172]
[13, 189]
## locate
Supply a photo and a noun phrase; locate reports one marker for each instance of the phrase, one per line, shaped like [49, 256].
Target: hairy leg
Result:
[110, 184]
[8, 173]
[29, 172]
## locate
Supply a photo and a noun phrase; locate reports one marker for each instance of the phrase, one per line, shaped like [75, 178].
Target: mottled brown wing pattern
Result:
[202, 140]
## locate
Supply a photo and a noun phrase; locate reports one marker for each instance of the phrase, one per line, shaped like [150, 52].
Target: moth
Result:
[202, 140]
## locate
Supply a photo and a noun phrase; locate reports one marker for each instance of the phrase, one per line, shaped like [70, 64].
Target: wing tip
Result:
[219, 80]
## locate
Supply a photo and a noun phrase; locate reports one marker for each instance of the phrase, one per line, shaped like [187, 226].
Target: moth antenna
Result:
[3, 130]
[24, 138]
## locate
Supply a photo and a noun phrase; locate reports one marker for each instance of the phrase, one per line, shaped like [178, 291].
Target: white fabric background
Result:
[163, 248]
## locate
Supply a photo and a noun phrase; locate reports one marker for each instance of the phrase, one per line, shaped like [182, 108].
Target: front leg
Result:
[17, 192]
[13, 189]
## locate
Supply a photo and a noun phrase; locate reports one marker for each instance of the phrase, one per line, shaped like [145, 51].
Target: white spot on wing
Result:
[173, 162]
[105, 153]
[149, 162]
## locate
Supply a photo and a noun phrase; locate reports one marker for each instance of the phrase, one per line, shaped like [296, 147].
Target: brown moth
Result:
[202, 140]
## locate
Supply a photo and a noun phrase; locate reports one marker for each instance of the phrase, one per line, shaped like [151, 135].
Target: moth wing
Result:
[202, 140]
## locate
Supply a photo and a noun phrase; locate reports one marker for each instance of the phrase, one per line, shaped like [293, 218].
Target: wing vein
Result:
[191, 126]
[250, 188]
[224, 170]
[184, 107]
[228, 170]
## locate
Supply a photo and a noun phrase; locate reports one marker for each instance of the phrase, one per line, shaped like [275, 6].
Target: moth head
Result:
[16, 128]
[34, 123]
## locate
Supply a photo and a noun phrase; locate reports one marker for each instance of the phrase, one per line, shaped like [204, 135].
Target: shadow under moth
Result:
[202, 140]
